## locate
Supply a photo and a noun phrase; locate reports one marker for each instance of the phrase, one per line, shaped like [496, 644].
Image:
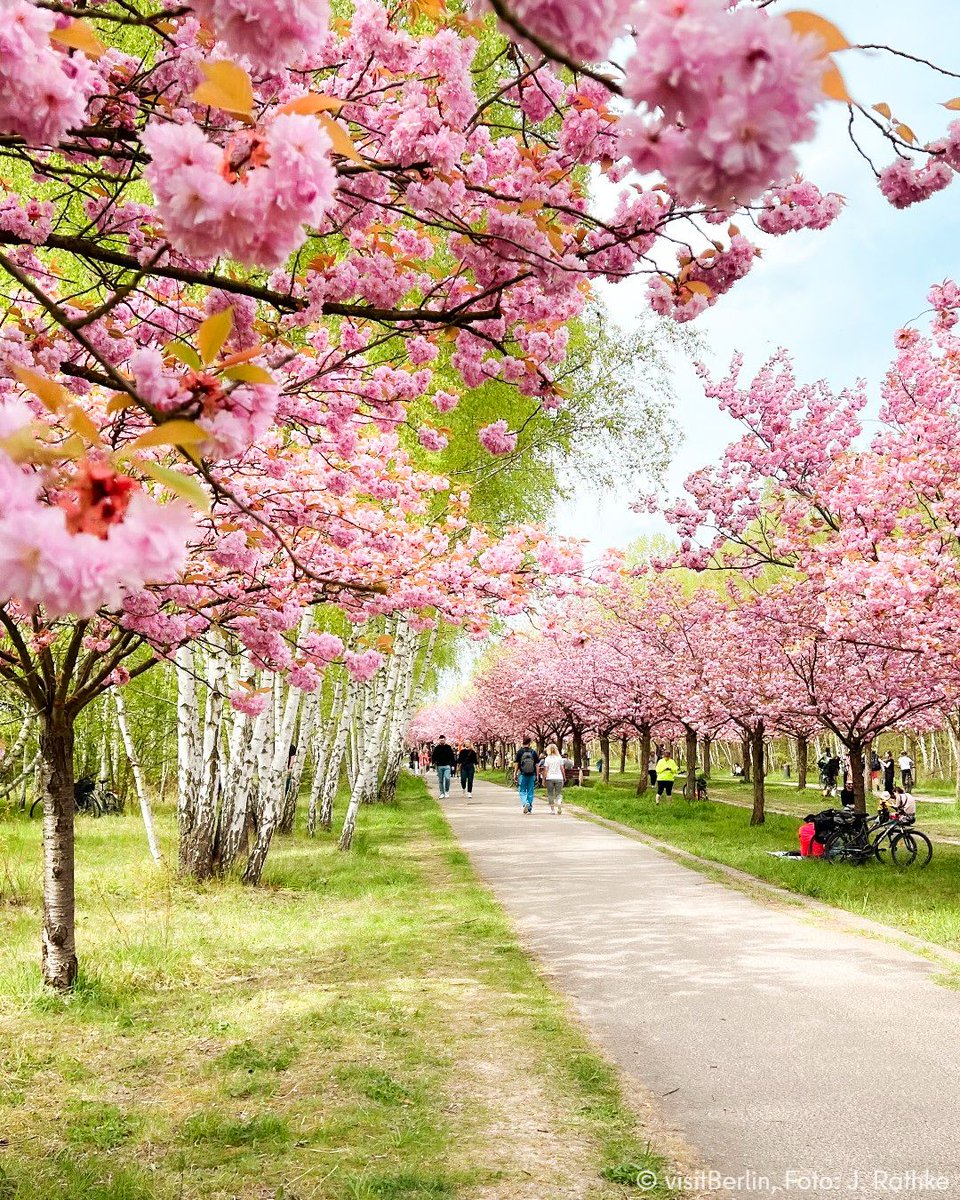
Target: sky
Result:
[834, 299]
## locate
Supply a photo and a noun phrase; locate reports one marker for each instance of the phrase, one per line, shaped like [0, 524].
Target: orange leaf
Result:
[313, 102]
[883, 110]
[340, 140]
[701, 288]
[80, 35]
[809, 24]
[832, 83]
[55, 397]
[226, 86]
[906, 133]
[953, 104]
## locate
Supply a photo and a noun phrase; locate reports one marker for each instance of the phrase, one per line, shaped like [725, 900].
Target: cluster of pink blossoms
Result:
[728, 93]
[235, 416]
[43, 90]
[904, 184]
[96, 546]
[249, 202]
[582, 28]
[497, 438]
[799, 205]
[271, 34]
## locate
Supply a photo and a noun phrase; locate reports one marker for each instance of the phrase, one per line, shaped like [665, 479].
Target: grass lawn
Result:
[925, 903]
[363, 1027]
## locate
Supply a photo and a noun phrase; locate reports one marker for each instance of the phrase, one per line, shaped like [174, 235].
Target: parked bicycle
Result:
[857, 840]
[698, 791]
[95, 800]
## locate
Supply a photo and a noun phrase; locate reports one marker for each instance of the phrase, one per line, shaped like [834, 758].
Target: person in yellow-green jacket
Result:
[667, 771]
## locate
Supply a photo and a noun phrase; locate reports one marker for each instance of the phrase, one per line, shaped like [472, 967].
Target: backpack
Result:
[528, 762]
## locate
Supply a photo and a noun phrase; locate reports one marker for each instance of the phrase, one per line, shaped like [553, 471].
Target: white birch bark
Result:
[138, 781]
[334, 765]
[188, 758]
[366, 775]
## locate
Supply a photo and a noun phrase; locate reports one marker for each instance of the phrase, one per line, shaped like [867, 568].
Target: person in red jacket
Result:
[809, 846]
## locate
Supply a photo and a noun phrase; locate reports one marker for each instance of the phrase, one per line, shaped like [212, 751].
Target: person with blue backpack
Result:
[525, 773]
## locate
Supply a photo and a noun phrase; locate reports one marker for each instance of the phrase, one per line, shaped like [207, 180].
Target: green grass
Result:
[363, 1027]
[924, 903]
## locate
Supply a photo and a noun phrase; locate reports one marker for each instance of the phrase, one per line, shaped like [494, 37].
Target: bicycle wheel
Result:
[91, 806]
[911, 848]
[843, 846]
[37, 804]
[110, 802]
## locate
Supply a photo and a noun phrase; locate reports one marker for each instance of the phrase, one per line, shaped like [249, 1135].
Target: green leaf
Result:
[249, 373]
[185, 486]
[185, 354]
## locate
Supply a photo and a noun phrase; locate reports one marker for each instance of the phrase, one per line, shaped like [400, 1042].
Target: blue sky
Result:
[834, 299]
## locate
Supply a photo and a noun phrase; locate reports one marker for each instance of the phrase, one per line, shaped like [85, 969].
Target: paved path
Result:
[809, 1056]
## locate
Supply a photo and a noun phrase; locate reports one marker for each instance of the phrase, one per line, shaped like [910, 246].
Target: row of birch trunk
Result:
[242, 777]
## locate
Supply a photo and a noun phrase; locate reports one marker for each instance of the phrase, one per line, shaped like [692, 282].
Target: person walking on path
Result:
[466, 767]
[667, 771]
[444, 759]
[552, 773]
[525, 773]
[888, 769]
[876, 766]
[424, 760]
[906, 771]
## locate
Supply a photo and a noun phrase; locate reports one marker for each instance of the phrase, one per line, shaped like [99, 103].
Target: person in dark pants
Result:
[444, 758]
[889, 766]
[466, 765]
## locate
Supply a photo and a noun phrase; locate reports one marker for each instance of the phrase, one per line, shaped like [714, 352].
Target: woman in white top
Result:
[551, 773]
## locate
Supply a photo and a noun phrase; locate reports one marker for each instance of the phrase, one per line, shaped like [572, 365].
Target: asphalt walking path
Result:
[791, 1058]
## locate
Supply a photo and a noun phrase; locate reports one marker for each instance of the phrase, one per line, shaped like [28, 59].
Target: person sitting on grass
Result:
[904, 805]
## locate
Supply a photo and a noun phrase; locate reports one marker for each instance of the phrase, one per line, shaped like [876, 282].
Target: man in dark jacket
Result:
[444, 759]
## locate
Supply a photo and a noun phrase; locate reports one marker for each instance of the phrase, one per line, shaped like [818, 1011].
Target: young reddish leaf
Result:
[314, 102]
[171, 433]
[226, 86]
[80, 35]
[241, 356]
[833, 85]
[213, 333]
[185, 486]
[812, 24]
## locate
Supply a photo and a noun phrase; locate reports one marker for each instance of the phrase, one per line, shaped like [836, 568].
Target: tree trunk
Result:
[758, 816]
[644, 781]
[691, 760]
[605, 755]
[705, 748]
[138, 782]
[59, 954]
[623, 756]
[801, 762]
[577, 748]
[745, 754]
[855, 750]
